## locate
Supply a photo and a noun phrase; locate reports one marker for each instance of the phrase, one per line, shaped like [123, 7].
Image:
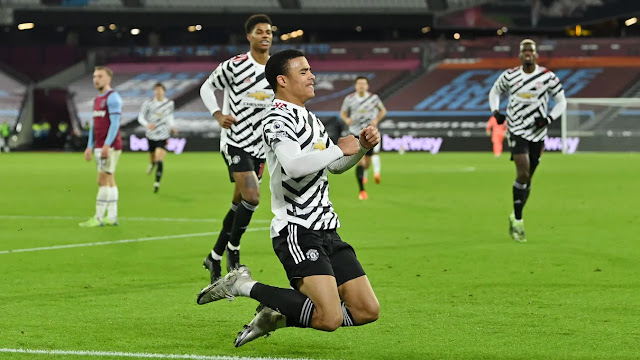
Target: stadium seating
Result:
[359, 4]
[135, 83]
[213, 3]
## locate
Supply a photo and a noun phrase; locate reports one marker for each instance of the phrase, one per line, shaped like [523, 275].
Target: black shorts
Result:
[305, 252]
[154, 144]
[368, 153]
[238, 160]
[519, 145]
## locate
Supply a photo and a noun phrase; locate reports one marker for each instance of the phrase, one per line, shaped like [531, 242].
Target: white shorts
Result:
[107, 165]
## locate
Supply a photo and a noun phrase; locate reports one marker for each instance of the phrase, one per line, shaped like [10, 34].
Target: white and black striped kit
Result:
[362, 110]
[160, 114]
[246, 95]
[528, 99]
[303, 201]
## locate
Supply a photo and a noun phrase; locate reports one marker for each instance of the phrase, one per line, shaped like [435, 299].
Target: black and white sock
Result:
[159, 168]
[291, 303]
[347, 318]
[360, 176]
[241, 221]
[225, 233]
[519, 198]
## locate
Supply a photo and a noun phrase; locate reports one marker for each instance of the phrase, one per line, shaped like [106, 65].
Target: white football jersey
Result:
[246, 95]
[303, 201]
[528, 99]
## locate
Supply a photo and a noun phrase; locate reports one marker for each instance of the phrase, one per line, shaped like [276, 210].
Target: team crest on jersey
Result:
[312, 254]
[235, 159]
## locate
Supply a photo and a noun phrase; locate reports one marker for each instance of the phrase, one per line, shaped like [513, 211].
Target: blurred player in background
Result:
[496, 131]
[529, 87]
[329, 288]
[246, 95]
[106, 144]
[359, 110]
[157, 116]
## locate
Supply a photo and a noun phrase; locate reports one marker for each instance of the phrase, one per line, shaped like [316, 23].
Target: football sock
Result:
[112, 204]
[519, 193]
[347, 318]
[291, 303]
[223, 237]
[159, 168]
[241, 222]
[101, 202]
[375, 161]
[359, 176]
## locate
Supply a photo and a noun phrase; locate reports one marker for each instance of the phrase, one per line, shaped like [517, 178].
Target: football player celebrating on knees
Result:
[329, 287]
[529, 87]
[157, 116]
[246, 95]
[106, 144]
[361, 109]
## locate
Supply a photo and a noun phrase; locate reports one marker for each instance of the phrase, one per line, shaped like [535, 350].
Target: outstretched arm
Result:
[296, 164]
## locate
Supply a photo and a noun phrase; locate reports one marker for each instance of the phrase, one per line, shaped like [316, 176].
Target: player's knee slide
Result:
[329, 322]
[366, 314]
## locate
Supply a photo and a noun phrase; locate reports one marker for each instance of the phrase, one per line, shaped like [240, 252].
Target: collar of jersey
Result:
[291, 105]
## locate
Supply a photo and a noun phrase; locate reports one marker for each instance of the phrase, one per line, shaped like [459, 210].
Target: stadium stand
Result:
[358, 4]
[135, 83]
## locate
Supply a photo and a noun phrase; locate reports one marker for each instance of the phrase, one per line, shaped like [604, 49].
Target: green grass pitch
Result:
[432, 238]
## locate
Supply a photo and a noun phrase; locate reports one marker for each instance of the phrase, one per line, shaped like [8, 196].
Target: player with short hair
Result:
[246, 95]
[361, 109]
[157, 116]
[106, 144]
[529, 87]
[329, 286]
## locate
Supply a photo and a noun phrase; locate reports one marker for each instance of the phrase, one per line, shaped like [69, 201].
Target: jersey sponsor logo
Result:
[99, 113]
[526, 95]
[256, 99]
[312, 254]
[260, 95]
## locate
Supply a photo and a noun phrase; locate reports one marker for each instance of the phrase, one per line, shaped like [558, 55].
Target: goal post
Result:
[601, 124]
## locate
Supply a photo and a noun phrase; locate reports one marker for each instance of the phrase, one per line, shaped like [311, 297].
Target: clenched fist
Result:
[348, 145]
[369, 137]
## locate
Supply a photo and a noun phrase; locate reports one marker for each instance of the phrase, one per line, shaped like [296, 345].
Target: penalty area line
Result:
[163, 219]
[122, 354]
[123, 241]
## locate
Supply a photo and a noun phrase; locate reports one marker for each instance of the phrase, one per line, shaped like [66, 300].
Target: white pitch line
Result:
[29, 217]
[137, 355]
[124, 241]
